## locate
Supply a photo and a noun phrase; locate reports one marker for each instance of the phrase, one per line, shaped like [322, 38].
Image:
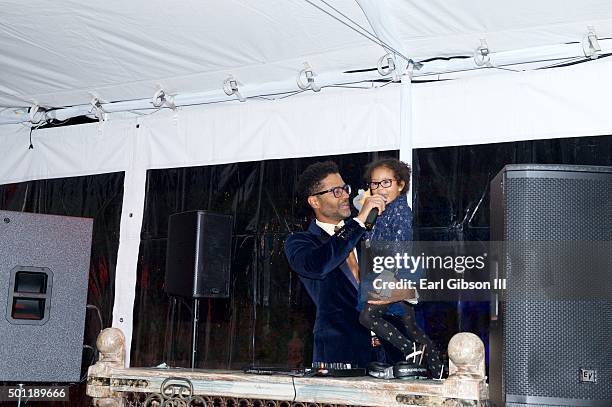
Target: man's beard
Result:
[343, 212]
[336, 213]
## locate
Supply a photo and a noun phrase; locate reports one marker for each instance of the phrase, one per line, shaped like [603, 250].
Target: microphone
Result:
[371, 219]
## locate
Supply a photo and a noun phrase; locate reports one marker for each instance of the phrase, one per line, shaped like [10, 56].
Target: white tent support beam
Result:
[406, 128]
[376, 14]
[13, 116]
[130, 228]
[553, 54]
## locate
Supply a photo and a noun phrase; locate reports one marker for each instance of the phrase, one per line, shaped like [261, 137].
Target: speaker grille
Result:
[547, 341]
[44, 267]
[199, 255]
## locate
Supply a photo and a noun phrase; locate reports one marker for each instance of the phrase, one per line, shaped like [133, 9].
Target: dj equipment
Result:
[380, 370]
[337, 369]
[283, 371]
[329, 372]
[401, 370]
[198, 256]
[407, 370]
[331, 365]
[44, 267]
[547, 350]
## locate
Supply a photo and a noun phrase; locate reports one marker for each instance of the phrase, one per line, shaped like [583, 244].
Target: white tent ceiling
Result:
[64, 53]
[56, 53]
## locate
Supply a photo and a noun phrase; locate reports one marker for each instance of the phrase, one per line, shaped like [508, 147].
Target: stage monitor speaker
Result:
[44, 268]
[198, 256]
[547, 348]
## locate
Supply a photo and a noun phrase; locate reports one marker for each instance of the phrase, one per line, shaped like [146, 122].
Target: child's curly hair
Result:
[400, 169]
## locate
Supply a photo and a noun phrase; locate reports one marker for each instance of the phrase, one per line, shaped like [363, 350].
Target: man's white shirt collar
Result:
[328, 227]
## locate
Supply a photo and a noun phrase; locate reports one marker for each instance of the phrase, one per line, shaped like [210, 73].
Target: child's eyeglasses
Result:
[385, 183]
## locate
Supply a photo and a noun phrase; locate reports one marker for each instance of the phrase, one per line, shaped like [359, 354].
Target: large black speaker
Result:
[552, 342]
[44, 266]
[198, 257]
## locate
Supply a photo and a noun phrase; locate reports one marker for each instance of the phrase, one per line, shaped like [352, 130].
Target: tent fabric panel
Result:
[122, 51]
[442, 28]
[64, 151]
[564, 102]
[334, 122]
[127, 253]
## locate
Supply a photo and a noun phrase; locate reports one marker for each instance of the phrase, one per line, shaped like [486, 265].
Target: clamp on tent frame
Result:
[160, 99]
[412, 65]
[36, 114]
[389, 68]
[482, 55]
[230, 87]
[97, 110]
[590, 44]
[306, 79]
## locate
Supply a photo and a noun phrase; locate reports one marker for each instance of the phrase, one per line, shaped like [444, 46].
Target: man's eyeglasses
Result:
[337, 191]
[385, 183]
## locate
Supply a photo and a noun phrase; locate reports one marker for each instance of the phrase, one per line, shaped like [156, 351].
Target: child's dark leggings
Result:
[372, 318]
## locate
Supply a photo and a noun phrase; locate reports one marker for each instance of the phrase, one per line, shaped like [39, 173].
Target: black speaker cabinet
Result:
[44, 266]
[199, 255]
[552, 343]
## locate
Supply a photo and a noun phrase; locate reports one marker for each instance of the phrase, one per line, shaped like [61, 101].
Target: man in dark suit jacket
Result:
[325, 261]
